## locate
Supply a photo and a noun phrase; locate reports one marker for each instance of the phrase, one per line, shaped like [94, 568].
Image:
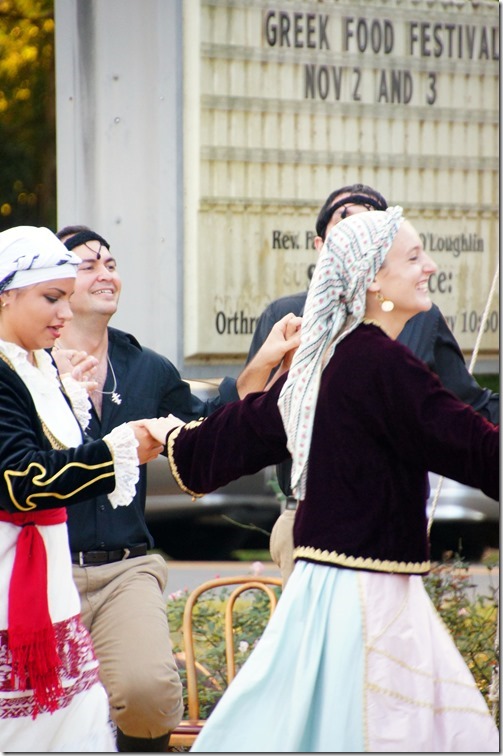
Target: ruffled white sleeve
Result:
[123, 444]
[79, 398]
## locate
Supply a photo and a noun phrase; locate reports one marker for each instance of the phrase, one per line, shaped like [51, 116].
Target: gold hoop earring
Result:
[386, 304]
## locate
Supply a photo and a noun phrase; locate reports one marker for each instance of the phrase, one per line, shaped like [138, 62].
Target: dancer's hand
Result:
[80, 365]
[148, 446]
[159, 427]
[282, 341]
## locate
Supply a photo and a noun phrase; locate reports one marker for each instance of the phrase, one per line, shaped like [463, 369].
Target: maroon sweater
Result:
[382, 421]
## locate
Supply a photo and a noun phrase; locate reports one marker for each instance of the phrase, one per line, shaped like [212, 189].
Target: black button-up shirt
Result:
[149, 386]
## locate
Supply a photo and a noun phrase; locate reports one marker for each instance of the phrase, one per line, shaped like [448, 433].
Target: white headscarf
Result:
[30, 255]
[351, 256]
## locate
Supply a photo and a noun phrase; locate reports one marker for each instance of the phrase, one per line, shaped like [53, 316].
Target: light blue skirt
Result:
[277, 702]
[351, 661]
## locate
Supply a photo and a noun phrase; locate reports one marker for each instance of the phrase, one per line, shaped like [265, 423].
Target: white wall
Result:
[119, 150]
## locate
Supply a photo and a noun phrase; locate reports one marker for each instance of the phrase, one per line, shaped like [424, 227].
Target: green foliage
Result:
[27, 113]
[470, 618]
[488, 380]
[251, 555]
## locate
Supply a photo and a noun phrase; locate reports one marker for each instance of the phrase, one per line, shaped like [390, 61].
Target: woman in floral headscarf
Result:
[51, 698]
[355, 657]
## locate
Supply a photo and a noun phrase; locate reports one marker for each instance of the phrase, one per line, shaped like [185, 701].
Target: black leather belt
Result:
[84, 558]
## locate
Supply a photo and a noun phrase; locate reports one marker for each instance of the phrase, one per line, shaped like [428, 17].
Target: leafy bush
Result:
[470, 618]
[472, 621]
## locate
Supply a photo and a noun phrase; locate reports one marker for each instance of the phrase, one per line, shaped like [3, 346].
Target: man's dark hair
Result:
[361, 194]
[74, 236]
[71, 231]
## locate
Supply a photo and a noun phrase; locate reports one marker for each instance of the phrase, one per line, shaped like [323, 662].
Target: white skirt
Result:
[80, 724]
[353, 662]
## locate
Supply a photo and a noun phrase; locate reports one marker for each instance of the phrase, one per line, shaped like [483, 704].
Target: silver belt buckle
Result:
[81, 559]
[127, 552]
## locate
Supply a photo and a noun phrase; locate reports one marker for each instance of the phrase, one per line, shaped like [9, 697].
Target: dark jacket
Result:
[34, 475]
[426, 334]
[382, 421]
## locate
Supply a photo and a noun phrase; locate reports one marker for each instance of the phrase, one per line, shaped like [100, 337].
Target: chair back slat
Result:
[229, 625]
[187, 731]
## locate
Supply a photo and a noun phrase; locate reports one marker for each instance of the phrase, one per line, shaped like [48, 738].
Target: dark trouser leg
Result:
[127, 744]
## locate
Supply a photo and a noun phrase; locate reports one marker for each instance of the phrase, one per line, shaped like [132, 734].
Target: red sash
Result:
[31, 636]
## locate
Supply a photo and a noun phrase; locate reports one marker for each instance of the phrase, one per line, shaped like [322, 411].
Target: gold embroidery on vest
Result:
[38, 480]
[361, 563]
[171, 459]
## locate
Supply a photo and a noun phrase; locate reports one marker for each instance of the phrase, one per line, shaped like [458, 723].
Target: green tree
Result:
[27, 114]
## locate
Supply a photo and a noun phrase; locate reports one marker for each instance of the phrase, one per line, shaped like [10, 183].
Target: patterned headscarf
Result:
[30, 255]
[348, 263]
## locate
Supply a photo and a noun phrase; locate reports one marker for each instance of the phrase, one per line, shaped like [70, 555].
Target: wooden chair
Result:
[188, 729]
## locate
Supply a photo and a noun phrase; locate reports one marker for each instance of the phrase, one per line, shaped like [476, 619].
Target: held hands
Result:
[275, 354]
[149, 447]
[282, 343]
[292, 331]
[151, 435]
[80, 365]
[283, 340]
[159, 427]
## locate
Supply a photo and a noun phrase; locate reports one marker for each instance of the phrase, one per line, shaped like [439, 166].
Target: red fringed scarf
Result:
[31, 637]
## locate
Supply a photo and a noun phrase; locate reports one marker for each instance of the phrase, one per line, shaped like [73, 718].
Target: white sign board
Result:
[286, 101]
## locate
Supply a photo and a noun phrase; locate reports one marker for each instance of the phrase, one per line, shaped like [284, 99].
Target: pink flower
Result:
[175, 595]
[257, 568]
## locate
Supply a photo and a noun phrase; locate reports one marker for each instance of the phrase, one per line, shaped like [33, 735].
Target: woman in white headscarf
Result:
[355, 657]
[50, 695]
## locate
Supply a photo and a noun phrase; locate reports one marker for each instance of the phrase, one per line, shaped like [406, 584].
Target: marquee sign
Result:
[285, 101]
